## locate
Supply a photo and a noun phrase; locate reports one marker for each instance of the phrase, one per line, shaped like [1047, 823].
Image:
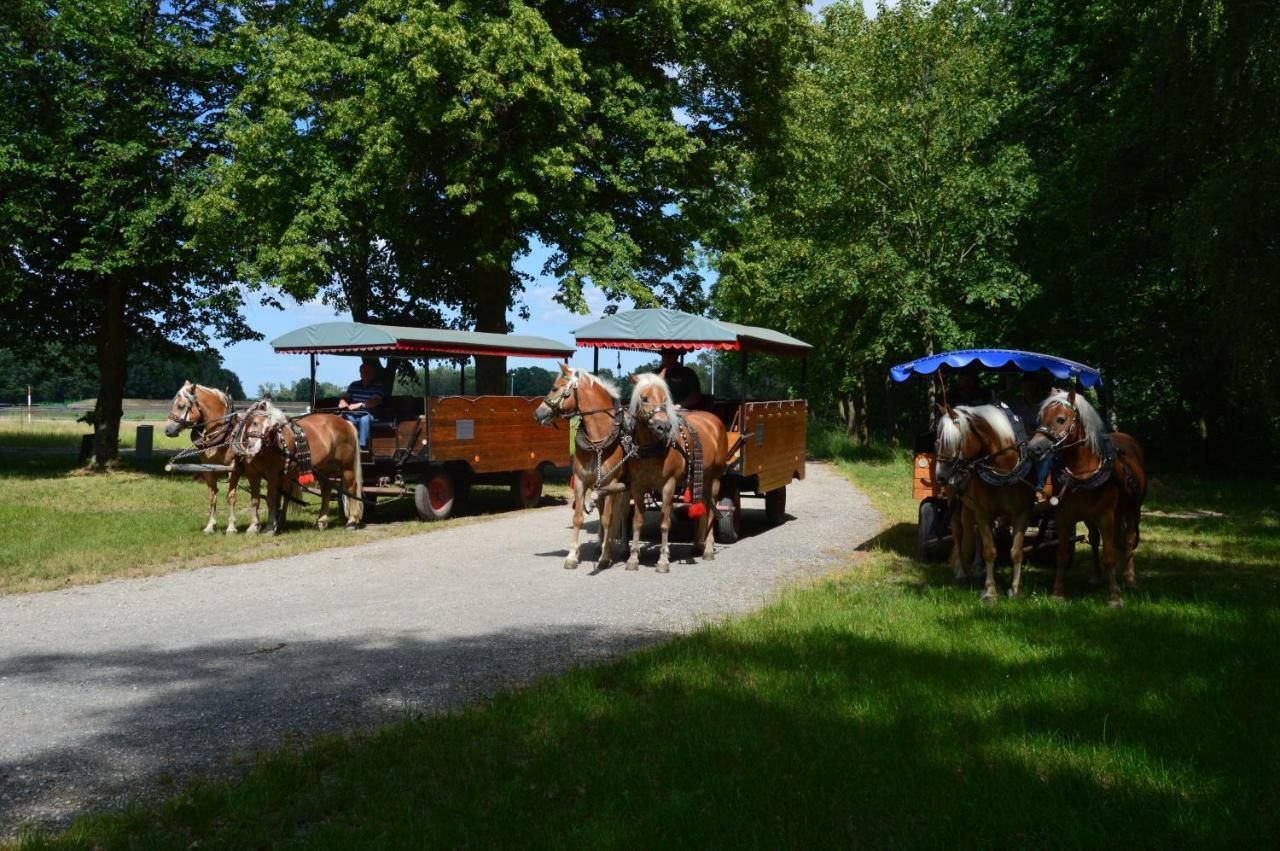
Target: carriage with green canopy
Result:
[766, 436]
[434, 447]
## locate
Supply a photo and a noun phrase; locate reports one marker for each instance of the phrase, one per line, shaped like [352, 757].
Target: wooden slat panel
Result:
[780, 458]
[922, 483]
[505, 436]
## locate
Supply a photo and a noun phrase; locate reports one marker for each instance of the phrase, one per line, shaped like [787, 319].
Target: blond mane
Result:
[952, 432]
[581, 376]
[1094, 428]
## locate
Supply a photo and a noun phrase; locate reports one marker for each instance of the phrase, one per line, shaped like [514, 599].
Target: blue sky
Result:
[256, 363]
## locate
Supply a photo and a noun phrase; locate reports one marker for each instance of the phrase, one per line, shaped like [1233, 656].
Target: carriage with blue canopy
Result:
[766, 436]
[933, 530]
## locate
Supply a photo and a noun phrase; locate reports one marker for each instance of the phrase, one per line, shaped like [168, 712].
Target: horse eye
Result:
[1061, 420]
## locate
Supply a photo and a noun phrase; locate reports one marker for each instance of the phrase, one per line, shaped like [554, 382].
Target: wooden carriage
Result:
[433, 448]
[933, 530]
[766, 437]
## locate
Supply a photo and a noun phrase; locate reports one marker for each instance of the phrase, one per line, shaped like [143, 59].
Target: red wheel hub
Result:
[438, 493]
[529, 485]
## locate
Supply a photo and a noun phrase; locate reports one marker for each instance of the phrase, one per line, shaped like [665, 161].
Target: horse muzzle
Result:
[1039, 446]
[543, 415]
[172, 429]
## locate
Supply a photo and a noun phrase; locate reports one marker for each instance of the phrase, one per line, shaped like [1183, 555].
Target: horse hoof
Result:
[1131, 584]
[1058, 597]
[232, 530]
[252, 530]
[352, 527]
[1015, 595]
[571, 564]
[989, 597]
[633, 564]
[664, 567]
[1116, 603]
[709, 556]
[208, 530]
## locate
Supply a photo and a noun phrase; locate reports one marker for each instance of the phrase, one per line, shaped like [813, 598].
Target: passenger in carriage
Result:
[362, 402]
[686, 390]
[1034, 389]
[967, 389]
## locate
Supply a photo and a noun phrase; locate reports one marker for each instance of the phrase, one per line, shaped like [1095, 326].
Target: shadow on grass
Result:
[858, 724]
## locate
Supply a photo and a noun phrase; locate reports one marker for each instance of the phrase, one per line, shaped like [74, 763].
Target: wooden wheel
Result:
[526, 488]
[434, 498]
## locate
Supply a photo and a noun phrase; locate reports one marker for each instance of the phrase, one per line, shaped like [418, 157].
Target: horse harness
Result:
[990, 474]
[209, 432]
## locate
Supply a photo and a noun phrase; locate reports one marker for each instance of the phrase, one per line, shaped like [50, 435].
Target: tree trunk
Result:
[112, 368]
[493, 293]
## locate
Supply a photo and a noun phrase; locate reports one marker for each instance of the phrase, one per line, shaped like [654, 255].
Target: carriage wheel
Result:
[728, 519]
[929, 529]
[526, 488]
[434, 498]
[775, 506]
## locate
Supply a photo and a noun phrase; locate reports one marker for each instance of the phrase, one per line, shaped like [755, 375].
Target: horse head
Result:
[575, 392]
[969, 433]
[651, 404]
[1066, 419]
[193, 406]
[259, 422]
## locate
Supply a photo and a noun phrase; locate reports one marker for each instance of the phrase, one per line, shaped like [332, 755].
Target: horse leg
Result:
[706, 524]
[273, 504]
[579, 503]
[637, 524]
[211, 481]
[1107, 528]
[233, 485]
[255, 488]
[668, 497]
[322, 522]
[1066, 531]
[1130, 544]
[989, 591]
[1094, 547]
[1016, 553]
[606, 530]
[353, 484]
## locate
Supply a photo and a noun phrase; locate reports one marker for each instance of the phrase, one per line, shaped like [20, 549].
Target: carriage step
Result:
[198, 468]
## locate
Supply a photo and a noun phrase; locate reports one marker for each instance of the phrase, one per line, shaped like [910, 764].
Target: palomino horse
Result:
[1102, 482]
[598, 457]
[664, 440]
[268, 447]
[207, 412]
[979, 456]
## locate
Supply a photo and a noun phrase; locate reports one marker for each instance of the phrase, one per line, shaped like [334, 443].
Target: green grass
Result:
[49, 433]
[64, 526]
[885, 707]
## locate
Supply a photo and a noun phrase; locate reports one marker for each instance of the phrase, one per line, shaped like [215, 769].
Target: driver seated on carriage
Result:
[362, 402]
[686, 390]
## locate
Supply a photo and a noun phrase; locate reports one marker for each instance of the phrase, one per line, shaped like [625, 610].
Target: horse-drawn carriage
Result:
[934, 533]
[766, 437]
[434, 447]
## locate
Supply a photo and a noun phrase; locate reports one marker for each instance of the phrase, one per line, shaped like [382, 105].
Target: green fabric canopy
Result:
[660, 328]
[358, 338]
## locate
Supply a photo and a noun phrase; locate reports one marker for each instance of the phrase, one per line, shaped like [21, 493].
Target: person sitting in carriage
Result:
[686, 390]
[361, 403]
[967, 389]
[1033, 390]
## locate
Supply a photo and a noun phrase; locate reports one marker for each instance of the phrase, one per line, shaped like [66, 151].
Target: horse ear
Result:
[565, 371]
[635, 379]
[662, 373]
[1071, 397]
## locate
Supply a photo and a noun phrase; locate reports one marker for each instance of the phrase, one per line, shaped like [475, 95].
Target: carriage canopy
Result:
[997, 360]
[358, 338]
[660, 328]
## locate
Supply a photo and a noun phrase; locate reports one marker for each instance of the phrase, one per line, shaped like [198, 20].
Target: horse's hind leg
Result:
[322, 522]
[255, 490]
[1130, 545]
[1016, 553]
[637, 525]
[607, 507]
[211, 480]
[353, 500]
[989, 591]
[1109, 532]
[706, 523]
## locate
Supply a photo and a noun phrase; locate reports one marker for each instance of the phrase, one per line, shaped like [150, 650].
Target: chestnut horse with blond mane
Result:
[665, 439]
[209, 415]
[981, 457]
[1101, 481]
[267, 446]
[599, 459]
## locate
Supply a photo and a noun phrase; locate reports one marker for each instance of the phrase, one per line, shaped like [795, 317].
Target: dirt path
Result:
[108, 690]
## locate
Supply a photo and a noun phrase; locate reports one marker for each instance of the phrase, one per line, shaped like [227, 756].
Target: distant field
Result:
[64, 432]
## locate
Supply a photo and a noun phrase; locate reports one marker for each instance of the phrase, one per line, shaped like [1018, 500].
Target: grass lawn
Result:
[63, 526]
[64, 433]
[885, 707]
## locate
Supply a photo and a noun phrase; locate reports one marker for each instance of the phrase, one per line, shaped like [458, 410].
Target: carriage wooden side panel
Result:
[493, 434]
[923, 484]
[773, 442]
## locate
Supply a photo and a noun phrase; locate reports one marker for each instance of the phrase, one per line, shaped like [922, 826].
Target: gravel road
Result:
[115, 690]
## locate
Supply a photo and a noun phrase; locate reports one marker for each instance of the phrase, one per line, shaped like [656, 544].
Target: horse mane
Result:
[951, 432]
[1094, 428]
[222, 397]
[652, 379]
[581, 375]
[274, 415]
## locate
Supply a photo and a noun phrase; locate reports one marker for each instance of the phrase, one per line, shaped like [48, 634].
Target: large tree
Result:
[399, 156]
[107, 109]
[882, 224]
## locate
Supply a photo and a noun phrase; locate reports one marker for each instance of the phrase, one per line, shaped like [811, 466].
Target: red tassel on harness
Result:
[696, 509]
[307, 479]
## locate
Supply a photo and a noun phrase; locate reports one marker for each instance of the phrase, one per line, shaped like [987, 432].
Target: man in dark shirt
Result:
[361, 402]
[686, 390]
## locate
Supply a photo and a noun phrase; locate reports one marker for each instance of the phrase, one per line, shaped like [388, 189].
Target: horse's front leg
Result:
[668, 498]
[989, 591]
[958, 543]
[1130, 546]
[1016, 552]
[273, 504]
[322, 522]
[255, 488]
[706, 523]
[1107, 530]
[211, 480]
[233, 484]
[608, 503]
[579, 503]
[637, 525]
